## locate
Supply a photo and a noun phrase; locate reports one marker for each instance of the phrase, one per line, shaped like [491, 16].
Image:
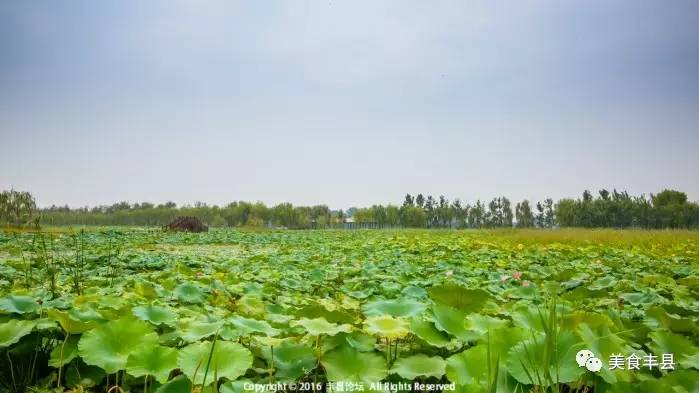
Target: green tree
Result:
[16, 207]
[565, 212]
[413, 217]
[523, 214]
[420, 200]
[668, 197]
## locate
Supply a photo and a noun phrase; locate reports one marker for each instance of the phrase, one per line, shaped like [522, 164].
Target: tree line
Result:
[667, 209]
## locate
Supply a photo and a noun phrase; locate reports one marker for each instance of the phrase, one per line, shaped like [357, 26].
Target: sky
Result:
[346, 103]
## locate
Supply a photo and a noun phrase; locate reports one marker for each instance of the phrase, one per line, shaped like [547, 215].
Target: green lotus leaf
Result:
[189, 293]
[13, 330]
[228, 360]
[525, 362]
[237, 386]
[265, 341]
[109, 345]
[414, 292]
[157, 315]
[318, 311]
[396, 308]
[429, 333]
[469, 367]
[81, 374]
[638, 298]
[145, 289]
[666, 342]
[358, 340]
[251, 305]
[349, 365]
[112, 302]
[682, 381]
[318, 326]
[604, 343]
[419, 366]
[530, 318]
[690, 361]
[153, 360]
[18, 304]
[501, 340]
[192, 331]
[676, 380]
[64, 351]
[85, 314]
[452, 321]
[456, 296]
[290, 360]
[658, 318]
[246, 326]
[45, 324]
[69, 323]
[179, 384]
[387, 326]
[602, 283]
[481, 324]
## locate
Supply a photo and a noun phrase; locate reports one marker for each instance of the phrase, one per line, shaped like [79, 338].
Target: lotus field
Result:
[139, 310]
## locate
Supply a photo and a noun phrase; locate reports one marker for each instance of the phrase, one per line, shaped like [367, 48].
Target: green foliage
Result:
[108, 346]
[222, 359]
[16, 207]
[349, 365]
[474, 308]
[667, 209]
[419, 366]
[13, 330]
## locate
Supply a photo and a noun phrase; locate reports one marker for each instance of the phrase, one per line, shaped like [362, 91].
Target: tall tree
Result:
[420, 200]
[523, 214]
[17, 207]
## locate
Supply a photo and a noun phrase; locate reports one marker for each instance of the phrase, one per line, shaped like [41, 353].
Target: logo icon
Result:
[585, 358]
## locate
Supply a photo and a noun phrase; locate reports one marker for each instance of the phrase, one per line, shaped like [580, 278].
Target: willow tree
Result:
[16, 207]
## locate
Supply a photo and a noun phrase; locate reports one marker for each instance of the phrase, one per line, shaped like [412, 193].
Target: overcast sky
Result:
[346, 103]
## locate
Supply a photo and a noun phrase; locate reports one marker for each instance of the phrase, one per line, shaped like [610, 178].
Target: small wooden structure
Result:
[186, 224]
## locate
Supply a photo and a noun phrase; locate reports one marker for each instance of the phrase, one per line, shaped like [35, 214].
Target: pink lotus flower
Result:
[525, 283]
[517, 275]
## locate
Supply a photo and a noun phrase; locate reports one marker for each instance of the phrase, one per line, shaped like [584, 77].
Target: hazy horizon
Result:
[346, 103]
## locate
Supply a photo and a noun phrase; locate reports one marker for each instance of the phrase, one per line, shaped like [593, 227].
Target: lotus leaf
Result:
[228, 360]
[64, 351]
[13, 330]
[109, 345]
[456, 296]
[157, 315]
[387, 326]
[429, 333]
[469, 367]
[452, 321]
[396, 308]
[290, 360]
[318, 326]
[179, 384]
[349, 365]
[419, 366]
[249, 326]
[189, 293]
[525, 361]
[18, 304]
[69, 323]
[153, 360]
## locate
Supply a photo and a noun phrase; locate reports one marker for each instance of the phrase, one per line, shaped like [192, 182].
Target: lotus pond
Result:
[138, 310]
